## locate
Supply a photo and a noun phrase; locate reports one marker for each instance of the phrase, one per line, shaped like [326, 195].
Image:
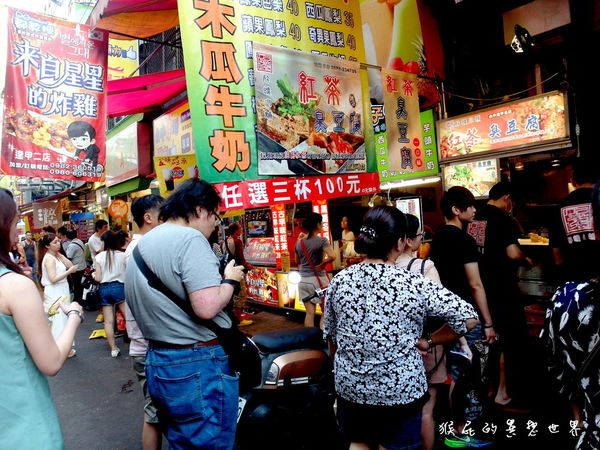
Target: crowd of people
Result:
[398, 326]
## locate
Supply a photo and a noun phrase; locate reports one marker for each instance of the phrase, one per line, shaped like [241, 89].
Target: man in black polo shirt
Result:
[574, 245]
[496, 234]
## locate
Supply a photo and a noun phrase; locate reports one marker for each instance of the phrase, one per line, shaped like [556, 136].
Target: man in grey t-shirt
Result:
[180, 349]
[75, 254]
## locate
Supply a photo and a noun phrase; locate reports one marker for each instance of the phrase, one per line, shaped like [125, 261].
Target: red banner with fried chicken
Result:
[55, 99]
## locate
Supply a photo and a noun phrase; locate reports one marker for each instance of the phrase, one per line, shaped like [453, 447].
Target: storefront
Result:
[270, 222]
[128, 166]
[526, 142]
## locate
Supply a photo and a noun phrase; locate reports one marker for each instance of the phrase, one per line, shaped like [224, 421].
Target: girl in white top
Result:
[110, 273]
[347, 242]
[55, 268]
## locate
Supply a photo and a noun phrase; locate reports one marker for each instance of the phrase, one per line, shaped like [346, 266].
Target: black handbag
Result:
[92, 299]
[87, 280]
[244, 355]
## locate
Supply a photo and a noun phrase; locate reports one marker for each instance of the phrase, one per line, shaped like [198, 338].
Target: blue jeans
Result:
[31, 263]
[112, 293]
[196, 395]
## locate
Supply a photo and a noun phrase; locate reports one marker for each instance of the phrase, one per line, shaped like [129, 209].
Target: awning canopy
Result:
[144, 93]
[138, 18]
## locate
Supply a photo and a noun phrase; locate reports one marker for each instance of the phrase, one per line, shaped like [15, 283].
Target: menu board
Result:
[84, 223]
[260, 252]
[534, 121]
[477, 176]
[309, 113]
[411, 205]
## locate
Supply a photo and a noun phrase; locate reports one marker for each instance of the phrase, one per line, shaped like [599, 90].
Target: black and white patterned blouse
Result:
[375, 313]
[571, 334]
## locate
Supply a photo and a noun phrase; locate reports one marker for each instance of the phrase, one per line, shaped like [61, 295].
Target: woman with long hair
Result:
[55, 268]
[28, 351]
[313, 253]
[110, 273]
[374, 318]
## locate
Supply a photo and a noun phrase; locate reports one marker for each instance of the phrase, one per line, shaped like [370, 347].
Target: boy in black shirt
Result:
[496, 234]
[574, 245]
[455, 255]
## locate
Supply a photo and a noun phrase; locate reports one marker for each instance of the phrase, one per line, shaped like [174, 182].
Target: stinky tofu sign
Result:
[535, 121]
[55, 99]
[309, 113]
[403, 125]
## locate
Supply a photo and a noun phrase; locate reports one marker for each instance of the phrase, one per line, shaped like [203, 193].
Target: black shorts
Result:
[393, 427]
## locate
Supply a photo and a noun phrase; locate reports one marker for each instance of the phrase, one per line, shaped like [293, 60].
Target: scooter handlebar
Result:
[317, 293]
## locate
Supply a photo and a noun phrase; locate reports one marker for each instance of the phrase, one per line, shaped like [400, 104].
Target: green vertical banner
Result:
[217, 38]
[430, 155]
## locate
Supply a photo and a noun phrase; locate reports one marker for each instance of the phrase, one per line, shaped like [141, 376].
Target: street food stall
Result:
[525, 142]
[271, 225]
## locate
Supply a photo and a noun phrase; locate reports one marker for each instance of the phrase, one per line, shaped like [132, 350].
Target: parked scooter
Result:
[293, 408]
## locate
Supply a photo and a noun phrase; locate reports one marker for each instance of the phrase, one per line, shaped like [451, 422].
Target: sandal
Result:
[72, 353]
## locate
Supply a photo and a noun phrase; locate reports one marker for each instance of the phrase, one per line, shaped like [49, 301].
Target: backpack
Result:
[87, 253]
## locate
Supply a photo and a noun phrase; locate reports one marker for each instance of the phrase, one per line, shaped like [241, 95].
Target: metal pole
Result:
[443, 101]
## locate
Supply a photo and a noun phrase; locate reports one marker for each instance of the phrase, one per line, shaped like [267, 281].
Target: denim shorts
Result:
[112, 293]
[392, 427]
[196, 396]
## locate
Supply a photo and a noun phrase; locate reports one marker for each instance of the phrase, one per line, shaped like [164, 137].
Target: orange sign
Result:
[533, 121]
[118, 209]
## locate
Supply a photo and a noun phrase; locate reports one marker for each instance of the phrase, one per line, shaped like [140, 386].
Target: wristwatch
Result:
[231, 282]
[74, 311]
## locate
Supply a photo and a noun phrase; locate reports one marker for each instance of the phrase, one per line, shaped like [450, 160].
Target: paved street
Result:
[100, 403]
[98, 398]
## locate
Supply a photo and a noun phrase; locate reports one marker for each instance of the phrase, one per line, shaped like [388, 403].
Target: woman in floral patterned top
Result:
[374, 316]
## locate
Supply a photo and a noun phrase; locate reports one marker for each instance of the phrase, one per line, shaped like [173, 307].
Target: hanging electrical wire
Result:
[448, 93]
[504, 97]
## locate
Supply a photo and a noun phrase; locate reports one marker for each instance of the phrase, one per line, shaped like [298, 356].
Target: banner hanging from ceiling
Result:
[279, 191]
[309, 113]
[217, 38]
[55, 99]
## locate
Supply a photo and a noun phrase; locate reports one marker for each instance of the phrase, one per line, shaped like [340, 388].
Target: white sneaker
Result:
[114, 353]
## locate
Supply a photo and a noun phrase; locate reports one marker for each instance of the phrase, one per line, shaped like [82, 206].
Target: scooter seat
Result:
[278, 341]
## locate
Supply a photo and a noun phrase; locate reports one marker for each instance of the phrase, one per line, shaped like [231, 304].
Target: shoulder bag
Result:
[412, 261]
[244, 355]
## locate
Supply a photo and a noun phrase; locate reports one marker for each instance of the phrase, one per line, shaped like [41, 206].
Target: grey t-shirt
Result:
[75, 253]
[179, 256]
[314, 248]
